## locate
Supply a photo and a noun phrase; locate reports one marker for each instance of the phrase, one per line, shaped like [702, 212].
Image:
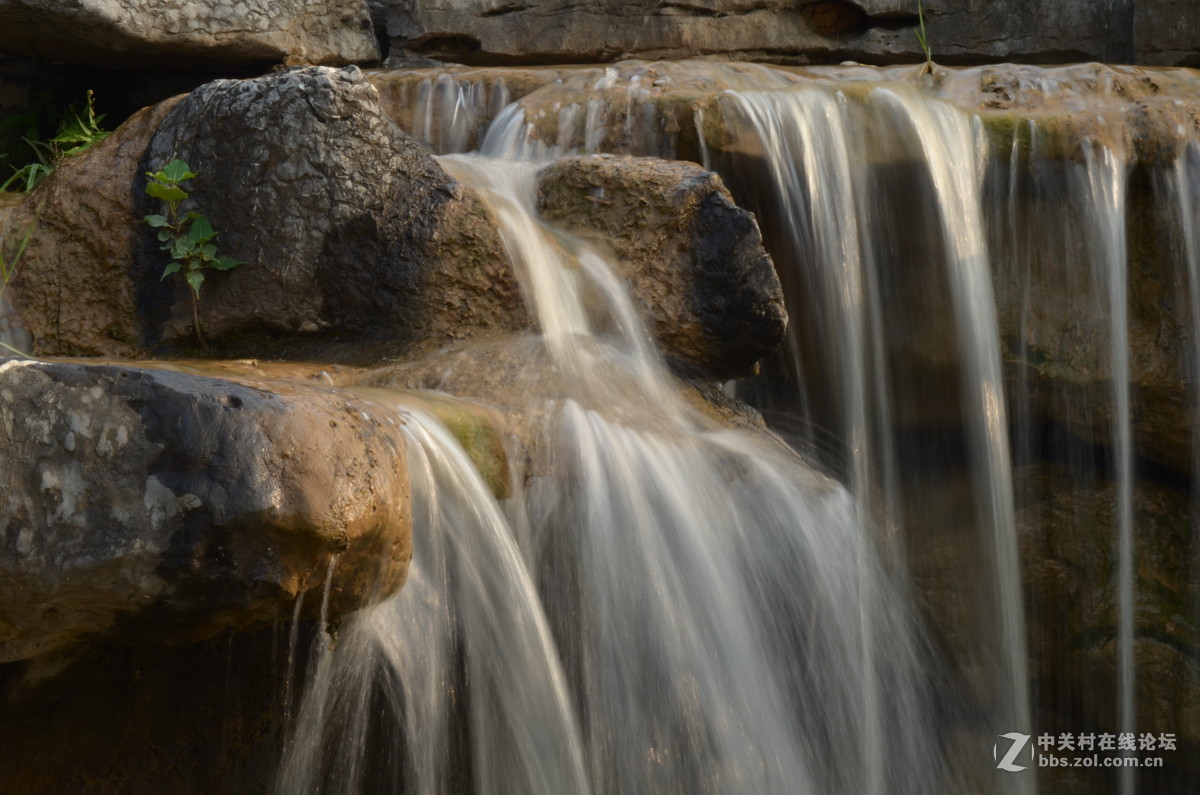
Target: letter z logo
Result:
[1018, 742]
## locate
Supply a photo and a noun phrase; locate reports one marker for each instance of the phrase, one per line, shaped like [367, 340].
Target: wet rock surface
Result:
[693, 259]
[149, 504]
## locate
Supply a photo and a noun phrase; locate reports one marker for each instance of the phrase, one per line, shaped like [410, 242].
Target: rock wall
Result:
[182, 33]
[820, 31]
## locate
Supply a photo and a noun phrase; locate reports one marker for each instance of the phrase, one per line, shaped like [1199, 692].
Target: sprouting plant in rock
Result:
[8, 269]
[923, 40]
[188, 236]
[79, 130]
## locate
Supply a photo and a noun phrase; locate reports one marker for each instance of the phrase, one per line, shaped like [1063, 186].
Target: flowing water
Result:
[669, 607]
[691, 610]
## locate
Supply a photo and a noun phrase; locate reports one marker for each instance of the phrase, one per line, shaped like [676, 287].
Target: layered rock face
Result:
[179, 34]
[817, 31]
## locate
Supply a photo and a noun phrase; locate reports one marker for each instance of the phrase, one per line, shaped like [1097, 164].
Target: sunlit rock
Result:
[153, 505]
[693, 259]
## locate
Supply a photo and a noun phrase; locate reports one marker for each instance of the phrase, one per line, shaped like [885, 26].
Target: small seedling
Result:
[188, 236]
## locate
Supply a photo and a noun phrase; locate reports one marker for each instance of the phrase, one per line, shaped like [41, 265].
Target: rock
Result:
[346, 227]
[295, 208]
[517, 378]
[179, 35]
[147, 719]
[72, 292]
[344, 224]
[1166, 32]
[693, 259]
[451, 108]
[1068, 542]
[145, 504]
[830, 31]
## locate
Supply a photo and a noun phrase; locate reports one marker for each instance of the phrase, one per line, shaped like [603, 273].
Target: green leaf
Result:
[156, 220]
[181, 247]
[208, 252]
[172, 268]
[201, 231]
[177, 171]
[225, 263]
[168, 193]
[195, 278]
[166, 236]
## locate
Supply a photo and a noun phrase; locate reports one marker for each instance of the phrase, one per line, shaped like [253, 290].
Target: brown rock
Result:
[693, 259]
[158, 505]
[73, 292]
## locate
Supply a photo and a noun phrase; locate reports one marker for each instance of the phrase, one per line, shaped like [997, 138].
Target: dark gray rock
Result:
[163, 506]
[178, 34]
[826, 31]
[693, 259]
[1167, 32]
[346, 224]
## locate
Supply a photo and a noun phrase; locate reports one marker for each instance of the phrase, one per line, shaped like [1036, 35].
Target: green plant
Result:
[78, 130]
[923, 39]
[187, 236]
[8, 269]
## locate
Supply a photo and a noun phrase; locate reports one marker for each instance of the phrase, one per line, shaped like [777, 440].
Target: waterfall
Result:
[963, 356]
[379, 712]
[690, 609]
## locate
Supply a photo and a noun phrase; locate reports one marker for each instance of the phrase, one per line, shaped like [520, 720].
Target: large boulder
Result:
[341, 223]
[157, 505]
[693, 259]
[175, 35]
[346, 226]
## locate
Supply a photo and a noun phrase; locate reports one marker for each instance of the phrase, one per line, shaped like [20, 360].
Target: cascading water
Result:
[692, 610]
[715, 612]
